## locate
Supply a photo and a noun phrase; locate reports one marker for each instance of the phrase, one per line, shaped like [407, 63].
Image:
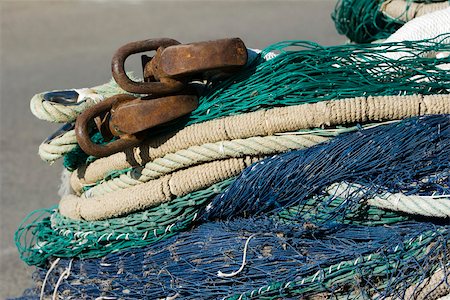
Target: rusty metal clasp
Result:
[175, 65]
[122, 79]
[128, 118]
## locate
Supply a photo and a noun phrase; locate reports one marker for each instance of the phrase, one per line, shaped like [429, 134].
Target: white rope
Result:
[206, 153]
[406, 10]
[429, 206]
[244, 258]
[87, 97]
[344, 111]
[57, 147]
[60, 113]
[426, 27]
[64, 275]
[52, 266]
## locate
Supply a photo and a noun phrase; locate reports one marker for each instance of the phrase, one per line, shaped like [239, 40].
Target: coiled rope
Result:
[153, 192]
[265, 123]
[61, 113]
[202, 154]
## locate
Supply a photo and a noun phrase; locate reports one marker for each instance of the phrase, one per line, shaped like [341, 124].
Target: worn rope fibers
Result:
[305, 72]
[401, 157]
[282, 260]
[267, 125]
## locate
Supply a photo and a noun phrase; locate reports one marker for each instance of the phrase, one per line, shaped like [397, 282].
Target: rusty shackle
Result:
[120, 76]
[128, 118]
[175, 64]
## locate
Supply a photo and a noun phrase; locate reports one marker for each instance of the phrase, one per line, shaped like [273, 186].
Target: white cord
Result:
[244, 257]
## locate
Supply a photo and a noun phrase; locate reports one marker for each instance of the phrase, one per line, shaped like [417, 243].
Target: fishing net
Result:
[45, 232]
[361, 214]
[413, 160]
[364, 21]
[400, 157]
[305, 72]
[281, 259]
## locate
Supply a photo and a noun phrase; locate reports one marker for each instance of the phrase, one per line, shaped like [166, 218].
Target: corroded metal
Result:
[174, 65]
[128, 118]
[122, 79]
[82, 130]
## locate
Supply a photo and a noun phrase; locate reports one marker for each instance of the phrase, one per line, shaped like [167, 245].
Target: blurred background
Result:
[50, 45]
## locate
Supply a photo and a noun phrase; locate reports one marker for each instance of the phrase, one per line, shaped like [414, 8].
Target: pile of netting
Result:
[365, 21]
[314, 172]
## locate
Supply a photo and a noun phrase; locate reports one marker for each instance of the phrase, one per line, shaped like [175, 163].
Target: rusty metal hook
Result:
[82, 130]
[128, 118]
[156, 88]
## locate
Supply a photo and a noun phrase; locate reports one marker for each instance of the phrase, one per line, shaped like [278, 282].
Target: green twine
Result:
[77, 157]
[305, 72]
[362, 20]
[325, 278]
[45, 232]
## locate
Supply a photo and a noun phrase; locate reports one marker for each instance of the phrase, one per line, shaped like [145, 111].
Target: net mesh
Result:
[305, 72]
[45, 232]
[282, 260]
[362, 21]
[410, 156]
[399, 157]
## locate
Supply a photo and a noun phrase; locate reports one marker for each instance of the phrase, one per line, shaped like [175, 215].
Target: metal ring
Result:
[82, 130]
[122, 79]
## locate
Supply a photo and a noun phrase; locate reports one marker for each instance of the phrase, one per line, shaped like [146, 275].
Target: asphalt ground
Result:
[69, 44]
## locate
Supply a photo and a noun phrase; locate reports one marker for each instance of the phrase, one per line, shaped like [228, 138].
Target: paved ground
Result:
[56, 45]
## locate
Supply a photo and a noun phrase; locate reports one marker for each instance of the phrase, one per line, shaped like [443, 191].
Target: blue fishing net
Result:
[282, 260]
[399, 157]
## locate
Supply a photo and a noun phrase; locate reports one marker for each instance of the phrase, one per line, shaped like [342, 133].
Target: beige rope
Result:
[268, 122]
[407, 10]
[61, 113]
[153, 192]
[429, 206]
[58, 146]
[200, 154]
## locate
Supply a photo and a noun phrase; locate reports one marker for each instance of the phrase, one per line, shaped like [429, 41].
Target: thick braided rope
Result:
[60, 113]
[54, 149]
[428, 206]
[405, 11]
[202, 154]
[268, 122]
[154, 192]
